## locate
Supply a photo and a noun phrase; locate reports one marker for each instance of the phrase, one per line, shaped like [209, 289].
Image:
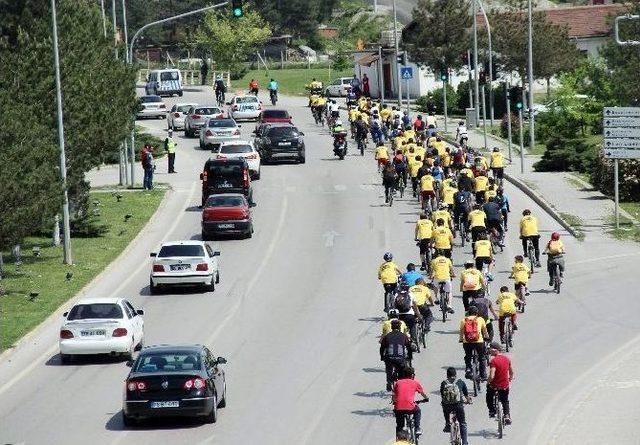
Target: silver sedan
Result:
[216, 131]
[151, 106]
[196, 117]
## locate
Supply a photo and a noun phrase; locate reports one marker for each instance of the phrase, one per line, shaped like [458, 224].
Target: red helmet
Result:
[555, 236]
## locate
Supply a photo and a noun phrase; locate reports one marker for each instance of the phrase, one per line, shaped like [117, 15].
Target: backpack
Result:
[470, 281]
[461, 199]
[389, 175]
[403, 302]
[553, 248]
[471, 330]
[451, 393]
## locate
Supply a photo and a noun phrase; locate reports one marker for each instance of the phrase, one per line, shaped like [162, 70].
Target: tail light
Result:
[136, 385]
[119, 332]
[65, 334]
[245, 178]
[158, 268]
[196, 116]
[176, 114]
[237, 132]
[195, 383]
[209, 133]
[204, 176]
[252, 156]
[202, 267]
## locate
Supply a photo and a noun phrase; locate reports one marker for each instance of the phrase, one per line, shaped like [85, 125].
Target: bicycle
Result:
[455, 435]
[531, 254]
[485, 276]
[361, 145]
[273, 94]
[462, 227]
[508, 333]
[401, 185]
[475, 373]
[496, 242]
[499, 414]
[557, 280]
[410, 426]
[220, 97]
[421, 333]
[521, 297]
[392, 191]
[443, 297]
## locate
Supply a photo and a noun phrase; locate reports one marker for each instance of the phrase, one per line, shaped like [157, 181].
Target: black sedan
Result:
[167, 381]
[280, 142]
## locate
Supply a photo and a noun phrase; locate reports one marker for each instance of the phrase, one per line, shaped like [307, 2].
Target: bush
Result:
[563, 154]
[601, 175]
[437, 98]
[142, 138]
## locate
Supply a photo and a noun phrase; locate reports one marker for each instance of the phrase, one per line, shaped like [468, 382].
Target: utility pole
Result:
[508, 99]
[129, 59]
[484, 117]
[470, 80]
[115, 28]
[521, 138]
[475, 63]
[532, 138]
[486, 21]
[66, 246]
[104, 19]
[395, 43]
[380, 75]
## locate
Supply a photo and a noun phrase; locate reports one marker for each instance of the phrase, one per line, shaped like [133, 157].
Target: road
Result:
[298, 313]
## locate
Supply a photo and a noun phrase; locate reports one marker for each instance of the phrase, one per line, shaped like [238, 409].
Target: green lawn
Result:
[292, 81]
[46, 274]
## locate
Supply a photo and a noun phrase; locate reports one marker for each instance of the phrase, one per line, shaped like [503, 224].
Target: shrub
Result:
[601, 175]
[563, 154]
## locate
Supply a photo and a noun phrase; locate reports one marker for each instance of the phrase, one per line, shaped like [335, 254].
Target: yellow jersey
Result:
[506, 303]
[477, 218]
[442, 238]
[497, 160]
[382, 153]
[441, 146]
[441, 268]
[353, 115]
[471, 279]
[424, 229]
[467, 172]
[399, 141]
[421, 151]
[447, 182]
[490, 193]
[520, 273]
[421, 294]
[481, 324]
[430, 141]
[529, 226]
[385, 114]
[444, 214]
[448, 193]
[365, 118]
[483, 248]
[426, 183]
[481, 183]
[482, 161]
[386, 327]
[446, 159]
[410, 134]
[388, 272]
[414, 166]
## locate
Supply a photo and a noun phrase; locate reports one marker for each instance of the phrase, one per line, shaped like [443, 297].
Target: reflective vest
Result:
[171, 145]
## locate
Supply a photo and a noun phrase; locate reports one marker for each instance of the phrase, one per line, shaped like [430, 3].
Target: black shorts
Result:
[423, 244]
[481, 260]
[498, 172]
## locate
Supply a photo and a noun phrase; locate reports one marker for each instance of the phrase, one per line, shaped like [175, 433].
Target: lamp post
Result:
[530, 69]
[486, 21]
[475, 63]
[104, 19]
[66, 245]
[395, 44]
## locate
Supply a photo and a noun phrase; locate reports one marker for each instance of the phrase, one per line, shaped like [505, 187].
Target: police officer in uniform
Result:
[170, 147]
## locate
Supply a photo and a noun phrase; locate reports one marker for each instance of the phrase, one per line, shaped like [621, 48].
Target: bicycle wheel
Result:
[443, 307]
[423, 335]
[507, 334]
[463, 234]
[474, 374]
[530, 254]
[455, 436]
[499, 415]
[391, 193]
[556, 280]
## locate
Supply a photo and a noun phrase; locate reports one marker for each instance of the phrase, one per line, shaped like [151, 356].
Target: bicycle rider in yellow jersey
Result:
[424, 236]
[555, 256]
[497, 165]
[442, 238]
[423, 298]
[386, 325]
[529, 231]
[506, 303]
[414, 166]
[520, 274]
[388, 274]
[450, 188]
[483, 254]
[481, 183]
[443, 213]
[477, 221]
[441, 274]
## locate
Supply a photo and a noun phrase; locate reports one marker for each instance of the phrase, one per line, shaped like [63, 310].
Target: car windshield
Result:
[181, 250]
[95, 310]
[208, 111]
[225, 201]
[282, 132]
[235, 149]
[168, 362]
[222, 123]
[246, 100]
[148, 99]
[275, 114]
[169, 75]
[183, 108]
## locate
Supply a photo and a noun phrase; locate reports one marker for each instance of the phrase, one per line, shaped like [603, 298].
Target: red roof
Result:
[586, 21]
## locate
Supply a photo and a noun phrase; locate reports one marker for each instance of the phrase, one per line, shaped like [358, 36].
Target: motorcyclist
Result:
[273, 89]
[339, 134]
[220, 88]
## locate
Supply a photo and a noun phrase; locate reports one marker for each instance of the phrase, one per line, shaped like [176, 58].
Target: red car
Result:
[271, 116]
[228, 213]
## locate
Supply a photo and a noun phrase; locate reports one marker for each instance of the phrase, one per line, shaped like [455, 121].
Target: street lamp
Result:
[395, 42]
[530, 69]
[486, 20]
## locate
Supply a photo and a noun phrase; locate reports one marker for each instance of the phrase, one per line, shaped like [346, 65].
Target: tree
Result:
[438, 35]
[231, 40]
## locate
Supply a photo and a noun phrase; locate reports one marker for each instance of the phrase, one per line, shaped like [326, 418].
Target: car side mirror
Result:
[216, 253]
[153, 254]
[228, 103]
[201, 176]
[129, 363]
[65, 314]
[252, 204]
[255, 132]
[140, 312]
[301, 134]
[221, 361]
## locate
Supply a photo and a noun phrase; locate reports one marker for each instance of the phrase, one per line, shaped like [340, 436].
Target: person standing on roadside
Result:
[365, 86]
[170, 148]
[147, 166]
[204, 70]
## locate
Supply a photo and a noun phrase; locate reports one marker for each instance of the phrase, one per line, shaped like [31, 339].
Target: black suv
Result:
[280, 142]
[226, 176]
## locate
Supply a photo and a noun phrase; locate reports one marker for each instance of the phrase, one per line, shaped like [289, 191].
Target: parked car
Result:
[101, 326]
[176, 116]
[245, 107]
[180, 263]
[216, 131]
[281, 142]
[197, 116]
[273, 116]
[339, 87]
[226, 213]
[165, 82]
[226, 176]
[172, 381]
[241, 149]
[151, 106]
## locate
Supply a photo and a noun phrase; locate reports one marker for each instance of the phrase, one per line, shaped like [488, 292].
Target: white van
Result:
[166, 82]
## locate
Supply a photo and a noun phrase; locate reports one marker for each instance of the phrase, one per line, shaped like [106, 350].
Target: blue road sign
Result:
[406, 73]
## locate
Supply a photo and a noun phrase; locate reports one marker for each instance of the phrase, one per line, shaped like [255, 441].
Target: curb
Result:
[58, 312]
[537, 199]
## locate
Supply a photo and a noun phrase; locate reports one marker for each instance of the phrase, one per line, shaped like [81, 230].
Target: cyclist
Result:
[406, 120]
[333, 111]
[386, 325]
[484, 306]
[395, 351]
[388, 275]
[400, 164]
[500, 376]
[385, 115]
[254, 86]
[414, 167]
[423, 298]
[462, 201]
[441, 274]
[506, 303]
[494, 219]
[427, 189]
[423, 237]
[462, 135]
[473, 331]
[360, 128]
[454, 394]
[389, 180]
[410, 276]
[449, 190]
[220, 89]
[404, 391]
[471, 283]
[520, 274]
[529, 231]
[483, 254]
[502, 200]
[497, 165]
[408, 312]
[376, 127]
[458, 159]
[442, 238]
[555, 256]
[440, 145]
[477, 221]
[339, 134]
[446, 161]
[491, 191]
[443, 213]
[480, 186]
[273, 90]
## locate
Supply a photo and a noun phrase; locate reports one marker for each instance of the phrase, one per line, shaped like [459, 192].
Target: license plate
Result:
[246, 107]
[180, 266]
[225, 186]
[284, 144]
[171, 404]
[93, 333]
[226, 226]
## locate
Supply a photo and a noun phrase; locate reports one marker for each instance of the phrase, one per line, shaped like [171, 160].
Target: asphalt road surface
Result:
[298, 315]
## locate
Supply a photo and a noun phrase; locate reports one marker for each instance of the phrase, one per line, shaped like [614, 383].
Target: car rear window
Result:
[183, 108]
[95, 310]
[222, 123]
[246, 100]
[225, 201]
[149, 99]
[169, 75]
[168, 362]
[275, 114]
[181, 250]
[207, 111]
[221, 175]
[278, 132]
[235, 149]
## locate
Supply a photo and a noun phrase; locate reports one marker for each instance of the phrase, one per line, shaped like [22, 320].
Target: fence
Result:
[190, 77]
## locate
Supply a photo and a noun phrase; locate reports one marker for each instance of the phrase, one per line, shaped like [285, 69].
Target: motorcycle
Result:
[273, 94]
[340, 144]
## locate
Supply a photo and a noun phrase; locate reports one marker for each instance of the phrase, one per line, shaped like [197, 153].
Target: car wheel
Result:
[212, 417]
[128, 421]
[210, 287]
[179, 93]
[302, 159]
[217, 277]
[223, 401]
[153, 289]
[65, 359]
[257, 175]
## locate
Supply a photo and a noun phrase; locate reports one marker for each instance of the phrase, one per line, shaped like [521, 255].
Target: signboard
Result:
[406, 73]
[621, 132]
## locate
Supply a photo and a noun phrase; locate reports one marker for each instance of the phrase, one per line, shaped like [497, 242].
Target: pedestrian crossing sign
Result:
[406, 73]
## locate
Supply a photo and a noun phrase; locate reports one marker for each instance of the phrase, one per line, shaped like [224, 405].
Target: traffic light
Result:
[236, 8]
[402, 58]
[482, 78]
[444, 75]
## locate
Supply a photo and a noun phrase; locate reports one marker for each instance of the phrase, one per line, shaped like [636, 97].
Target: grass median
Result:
[34, 289]
[291, 81]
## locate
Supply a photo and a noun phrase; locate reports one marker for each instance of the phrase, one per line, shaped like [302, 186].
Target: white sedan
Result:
[240, 149]
[245, 107]
[176, 116]
[101, 326]
[184, 263]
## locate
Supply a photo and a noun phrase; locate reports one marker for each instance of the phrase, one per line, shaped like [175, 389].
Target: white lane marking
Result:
[329, 238]
[340, 187]
[22, 374]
